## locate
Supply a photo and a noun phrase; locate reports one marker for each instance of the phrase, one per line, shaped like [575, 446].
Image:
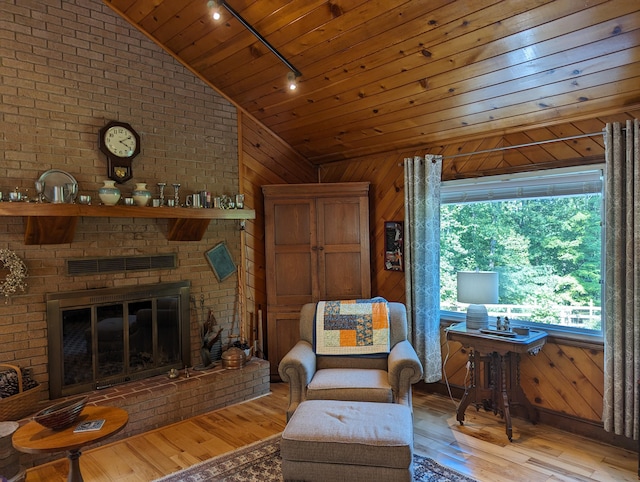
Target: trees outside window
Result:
[546, 248]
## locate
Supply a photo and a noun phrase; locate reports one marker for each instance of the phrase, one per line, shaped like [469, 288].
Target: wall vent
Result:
[120, 264]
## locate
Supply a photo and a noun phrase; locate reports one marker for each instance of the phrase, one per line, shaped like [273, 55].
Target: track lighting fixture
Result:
[291, 81]
[215, 5]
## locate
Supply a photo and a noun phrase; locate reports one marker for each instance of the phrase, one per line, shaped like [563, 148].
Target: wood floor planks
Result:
[479, 448]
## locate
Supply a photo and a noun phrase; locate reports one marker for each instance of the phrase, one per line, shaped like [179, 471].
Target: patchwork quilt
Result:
[352, 327]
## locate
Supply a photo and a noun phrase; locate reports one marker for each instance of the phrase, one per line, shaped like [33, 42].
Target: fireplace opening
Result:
[103, 337]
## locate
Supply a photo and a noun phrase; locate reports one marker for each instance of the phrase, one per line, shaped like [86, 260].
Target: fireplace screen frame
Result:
[93, 299]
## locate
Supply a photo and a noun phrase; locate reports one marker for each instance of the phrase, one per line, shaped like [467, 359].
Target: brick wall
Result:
[67, 68]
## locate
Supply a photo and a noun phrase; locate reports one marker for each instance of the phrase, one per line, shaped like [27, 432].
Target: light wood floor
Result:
[479, 449]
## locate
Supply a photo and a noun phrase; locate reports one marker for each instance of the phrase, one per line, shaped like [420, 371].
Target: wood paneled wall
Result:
[566, 379]
[264, 159]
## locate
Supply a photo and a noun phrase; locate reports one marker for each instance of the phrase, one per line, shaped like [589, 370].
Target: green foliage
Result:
[546, 250]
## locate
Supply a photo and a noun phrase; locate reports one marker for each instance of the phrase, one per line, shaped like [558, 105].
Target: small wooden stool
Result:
[332, 441]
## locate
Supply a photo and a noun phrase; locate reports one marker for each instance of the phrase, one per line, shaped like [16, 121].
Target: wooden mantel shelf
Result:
[56, 223]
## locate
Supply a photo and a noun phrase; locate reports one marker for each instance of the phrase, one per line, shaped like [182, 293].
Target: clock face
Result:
[121, 144]
[120, 141]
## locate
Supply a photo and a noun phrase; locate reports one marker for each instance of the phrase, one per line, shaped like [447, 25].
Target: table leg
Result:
[74, 466]
[469, 393]
[505, 397]
[494, 380]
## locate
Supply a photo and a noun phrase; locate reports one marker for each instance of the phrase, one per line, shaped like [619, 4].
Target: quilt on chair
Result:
[352, 327]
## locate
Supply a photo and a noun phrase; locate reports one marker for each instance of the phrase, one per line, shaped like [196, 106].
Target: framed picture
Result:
[220, 261]
[394, 245]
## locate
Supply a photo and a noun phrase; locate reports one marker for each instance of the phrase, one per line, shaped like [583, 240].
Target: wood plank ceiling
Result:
[383, 75]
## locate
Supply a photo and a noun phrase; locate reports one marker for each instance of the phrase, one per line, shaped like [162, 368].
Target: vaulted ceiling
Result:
[382, 75]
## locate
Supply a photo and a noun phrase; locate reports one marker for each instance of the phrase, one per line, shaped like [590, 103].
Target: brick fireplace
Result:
[104, 337]
[153, 400]
[189, 135]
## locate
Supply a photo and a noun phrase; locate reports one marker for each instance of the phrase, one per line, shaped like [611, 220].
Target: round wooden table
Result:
[34, 438]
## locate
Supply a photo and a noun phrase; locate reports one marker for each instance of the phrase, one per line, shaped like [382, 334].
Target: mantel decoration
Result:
[15, 280]
[109, 194]
[121, 144]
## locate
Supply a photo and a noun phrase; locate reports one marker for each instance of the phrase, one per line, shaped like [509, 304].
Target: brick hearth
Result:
[159, 401]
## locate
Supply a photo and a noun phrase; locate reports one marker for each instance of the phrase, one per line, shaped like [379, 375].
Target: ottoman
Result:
[334, 440]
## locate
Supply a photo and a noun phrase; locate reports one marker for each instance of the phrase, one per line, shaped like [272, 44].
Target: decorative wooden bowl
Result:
[61, 415]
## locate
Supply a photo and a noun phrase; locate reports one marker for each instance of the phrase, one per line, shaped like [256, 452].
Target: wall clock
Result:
[120, 143]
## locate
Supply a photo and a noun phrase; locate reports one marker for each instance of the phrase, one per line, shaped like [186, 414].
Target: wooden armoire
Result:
[317, 248]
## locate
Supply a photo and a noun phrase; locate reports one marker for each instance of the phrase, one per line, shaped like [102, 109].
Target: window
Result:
[543, 234]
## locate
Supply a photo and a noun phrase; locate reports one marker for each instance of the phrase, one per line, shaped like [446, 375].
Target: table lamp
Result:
[477, 288]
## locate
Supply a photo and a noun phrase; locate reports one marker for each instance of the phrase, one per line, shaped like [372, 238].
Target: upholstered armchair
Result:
[386, 378]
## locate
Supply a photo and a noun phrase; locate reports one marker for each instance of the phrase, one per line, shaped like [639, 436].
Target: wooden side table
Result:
[33, 438]
[500, 386]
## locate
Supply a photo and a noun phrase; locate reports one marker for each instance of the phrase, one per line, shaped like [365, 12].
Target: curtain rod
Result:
[537, 143]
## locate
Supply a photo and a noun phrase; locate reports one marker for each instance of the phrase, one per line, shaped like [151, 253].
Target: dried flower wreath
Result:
[15, 280]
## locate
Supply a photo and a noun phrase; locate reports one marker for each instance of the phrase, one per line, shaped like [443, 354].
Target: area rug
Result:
[261, 462]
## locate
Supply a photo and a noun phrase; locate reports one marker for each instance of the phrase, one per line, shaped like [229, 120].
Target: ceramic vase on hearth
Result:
[109, 194]
[141, 195]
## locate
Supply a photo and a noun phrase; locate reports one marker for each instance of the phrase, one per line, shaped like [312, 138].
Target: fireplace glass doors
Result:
[99, 338]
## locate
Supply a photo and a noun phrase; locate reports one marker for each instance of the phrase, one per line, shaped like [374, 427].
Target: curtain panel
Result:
[422, 259]
[622, 282]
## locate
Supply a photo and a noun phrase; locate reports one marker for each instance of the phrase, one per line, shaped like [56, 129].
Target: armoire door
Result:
[343, 248]
[291, 258]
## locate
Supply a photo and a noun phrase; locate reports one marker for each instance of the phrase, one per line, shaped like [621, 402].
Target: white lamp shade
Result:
[478, 287]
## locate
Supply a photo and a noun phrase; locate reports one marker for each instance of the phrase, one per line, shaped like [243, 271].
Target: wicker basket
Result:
[21, 404]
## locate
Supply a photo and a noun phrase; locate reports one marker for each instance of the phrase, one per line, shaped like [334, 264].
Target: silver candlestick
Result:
[161, 186]
[176, 194]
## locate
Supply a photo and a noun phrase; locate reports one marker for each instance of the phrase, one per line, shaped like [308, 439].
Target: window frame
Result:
[557, 331]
